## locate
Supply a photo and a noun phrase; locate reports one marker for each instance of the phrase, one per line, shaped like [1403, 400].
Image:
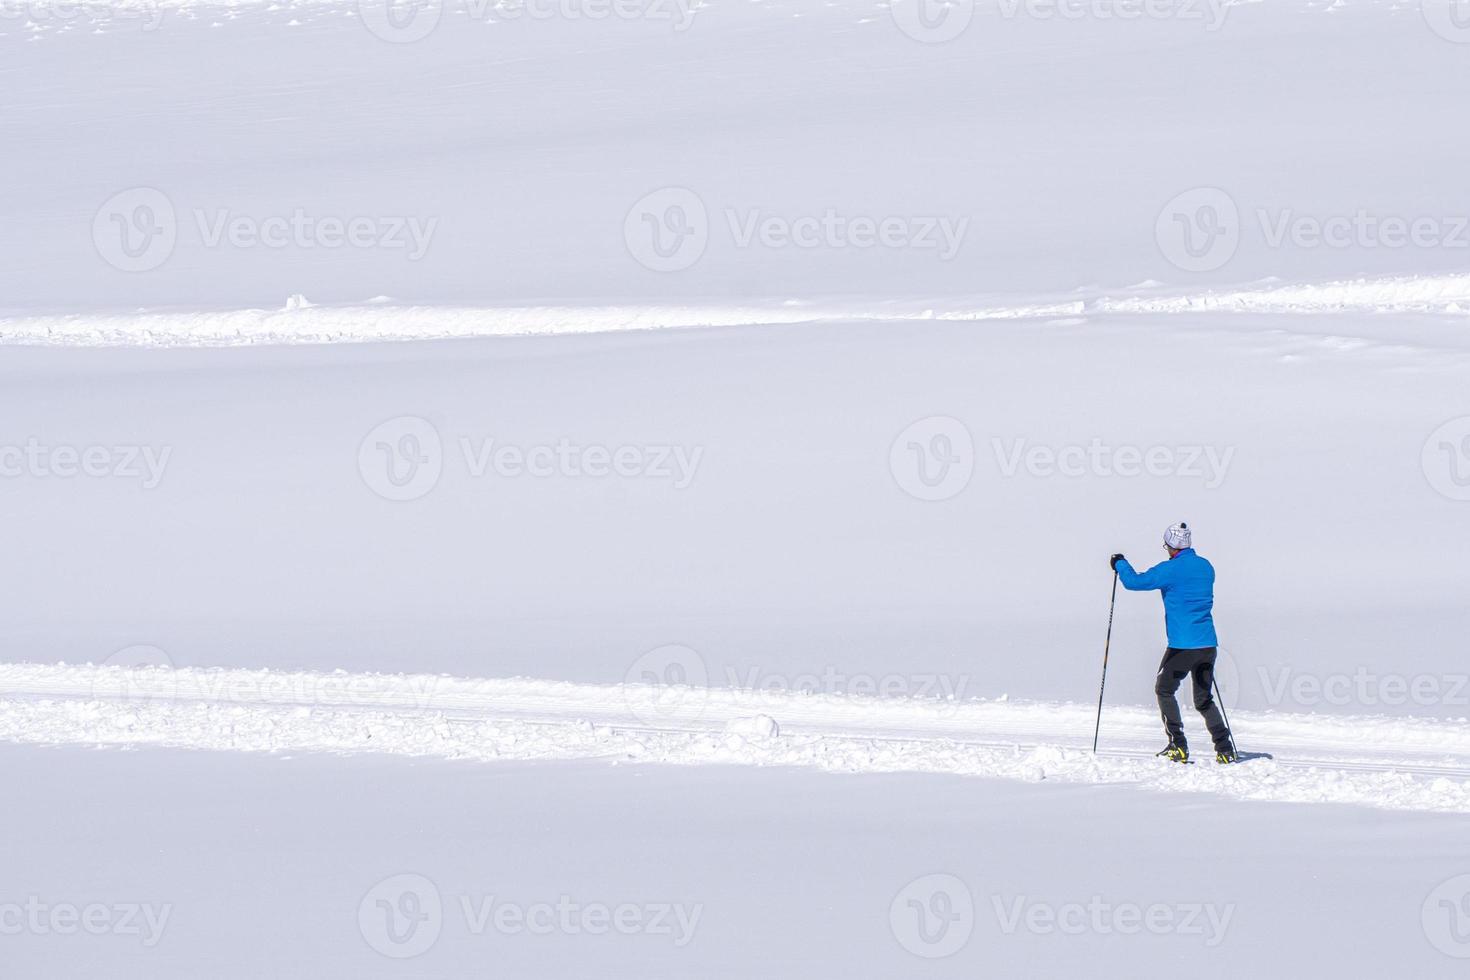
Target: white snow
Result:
[368, 496]
[304, 322]
[1371, 761]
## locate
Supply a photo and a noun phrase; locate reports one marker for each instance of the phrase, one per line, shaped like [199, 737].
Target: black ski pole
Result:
[1220, 700]
[1112, 603]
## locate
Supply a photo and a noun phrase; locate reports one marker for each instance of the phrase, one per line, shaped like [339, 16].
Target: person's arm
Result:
[1155, 578]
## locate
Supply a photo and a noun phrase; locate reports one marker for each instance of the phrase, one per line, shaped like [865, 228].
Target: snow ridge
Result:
[1414, 764]
[302, 322]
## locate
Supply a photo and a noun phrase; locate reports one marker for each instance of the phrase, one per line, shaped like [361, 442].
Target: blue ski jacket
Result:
[1188, 584]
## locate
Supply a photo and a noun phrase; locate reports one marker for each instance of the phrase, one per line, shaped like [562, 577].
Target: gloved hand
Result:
[1113, 561]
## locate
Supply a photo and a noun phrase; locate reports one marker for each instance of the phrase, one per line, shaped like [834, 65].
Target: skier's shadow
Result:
[1248, 756]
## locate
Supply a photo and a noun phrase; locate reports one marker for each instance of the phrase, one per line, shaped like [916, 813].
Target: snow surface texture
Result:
[1381, 762]
[1226, 239]
[511, 161]
[339, 506]
[293, 867]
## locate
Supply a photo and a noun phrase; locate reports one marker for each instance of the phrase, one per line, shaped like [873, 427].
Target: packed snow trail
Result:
[1412, 764]
[303, 322]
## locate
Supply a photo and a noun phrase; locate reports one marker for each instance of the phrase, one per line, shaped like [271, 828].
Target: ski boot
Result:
[1174, 753]
[1226, 756]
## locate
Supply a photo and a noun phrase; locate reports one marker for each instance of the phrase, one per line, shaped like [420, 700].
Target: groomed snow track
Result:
[1409, 764]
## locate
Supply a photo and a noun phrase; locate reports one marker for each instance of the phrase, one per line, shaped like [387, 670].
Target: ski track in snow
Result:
[1391, 763]
[301, 322]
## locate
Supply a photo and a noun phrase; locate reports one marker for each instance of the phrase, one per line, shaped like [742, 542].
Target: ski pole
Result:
[1112, 604]
[1220, 700]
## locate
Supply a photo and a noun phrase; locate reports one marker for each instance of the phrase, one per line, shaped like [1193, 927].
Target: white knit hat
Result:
[1178, 536]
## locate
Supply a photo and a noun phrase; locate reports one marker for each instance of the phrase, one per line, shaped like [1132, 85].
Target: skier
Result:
[1187, 582]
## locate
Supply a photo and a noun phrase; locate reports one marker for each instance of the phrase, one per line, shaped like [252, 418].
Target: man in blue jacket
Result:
[1187, 582]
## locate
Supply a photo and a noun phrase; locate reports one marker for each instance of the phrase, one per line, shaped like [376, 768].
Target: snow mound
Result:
[303, 322]
[759, 728]
[1405, 764]
[1405, 294]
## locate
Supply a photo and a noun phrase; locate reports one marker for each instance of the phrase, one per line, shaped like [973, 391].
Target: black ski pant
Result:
[1199, 664]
